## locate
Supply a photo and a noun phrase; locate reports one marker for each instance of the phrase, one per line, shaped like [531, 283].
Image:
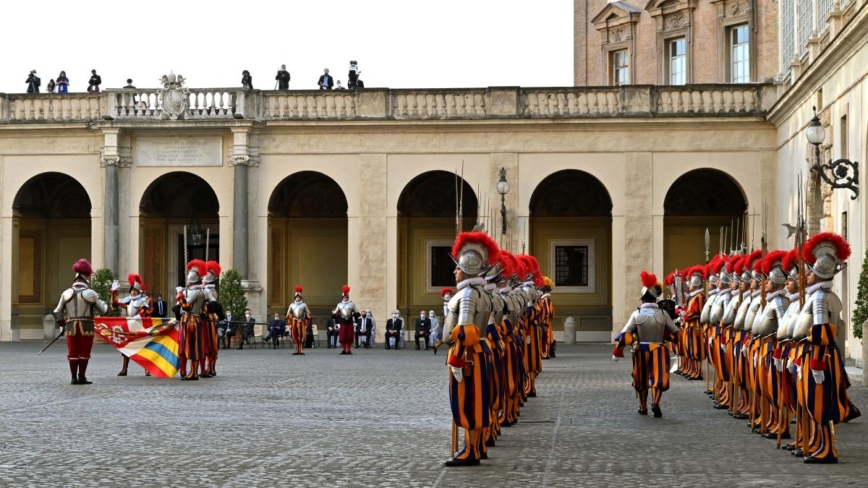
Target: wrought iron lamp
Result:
[843, 173]
[503, 189]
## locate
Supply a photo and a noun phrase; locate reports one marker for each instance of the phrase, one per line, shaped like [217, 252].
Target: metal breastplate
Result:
[470, 305]
[497, 306]
[805, 319]
[731, 310]
[719, 307]
[298, 310]
[79, 303]
[195, 298]
[134, 307]
[739, 323]
[750, 320]
[650, 327]
[705, 314]
[345, 309]
[771, 315]
[785, 331]
[210, 293]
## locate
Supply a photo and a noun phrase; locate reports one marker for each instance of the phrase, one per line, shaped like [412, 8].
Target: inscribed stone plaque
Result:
[179, 151]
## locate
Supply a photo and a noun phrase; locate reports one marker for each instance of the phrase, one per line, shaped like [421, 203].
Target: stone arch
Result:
[51, 230]
[700, 199]
[307, 242]
[427, 208]
[172, 202]
[571, 235]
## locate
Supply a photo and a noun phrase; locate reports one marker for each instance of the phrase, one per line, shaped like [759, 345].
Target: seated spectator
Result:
[332, 329]
[394, 329]
[436, 333]
[276, 328]
[246, 330]
[364, 326]
[423, 329]
[228, 329]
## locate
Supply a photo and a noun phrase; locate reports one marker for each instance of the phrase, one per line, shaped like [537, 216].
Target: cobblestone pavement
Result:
[377, 418]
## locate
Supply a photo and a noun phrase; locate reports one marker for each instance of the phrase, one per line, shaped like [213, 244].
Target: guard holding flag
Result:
[135, 305]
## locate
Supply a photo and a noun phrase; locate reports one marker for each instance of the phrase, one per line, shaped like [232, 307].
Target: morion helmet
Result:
[650, 286]
[773, 267]
[299, 290]
[82, 269]
[195, 270]
[136, 282]
[212, 272]
[825, 254]
[475, 253]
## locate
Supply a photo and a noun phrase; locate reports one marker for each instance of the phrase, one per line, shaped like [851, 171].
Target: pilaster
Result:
[110, 160]
[372, 250]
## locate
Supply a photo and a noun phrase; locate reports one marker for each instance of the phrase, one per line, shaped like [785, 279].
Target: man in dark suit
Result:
[159, 306]
[332, 330]
[363, 329]
[246, 329]
[394, 329]
[423, 329]
[276, 328]
[326, 81]
[229, 328]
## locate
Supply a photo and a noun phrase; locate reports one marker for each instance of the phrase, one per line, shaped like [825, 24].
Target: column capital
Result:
[239, 160]
[109, 160]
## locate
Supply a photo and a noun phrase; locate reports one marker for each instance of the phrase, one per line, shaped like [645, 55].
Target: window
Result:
[806, 24]
[677, 53]
[620, 68]
[788, 44]
[739, 54]
[442, 267]
[844, 137]
[571, 265]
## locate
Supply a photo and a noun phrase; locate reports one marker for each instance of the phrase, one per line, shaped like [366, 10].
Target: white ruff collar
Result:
[775, 294]
[694, 293]
[713, 292]
[477, 281]
[826, 285]
[794, 297]
[649, 305]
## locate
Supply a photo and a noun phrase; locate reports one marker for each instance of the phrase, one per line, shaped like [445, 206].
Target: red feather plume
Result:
[791, 260]
[740, 263]
[82, 266]
[134, 278]
[508, 263]
[648, 279]
[758, 265]
[444, 291]
[670, 279]
[718, 262]
[213, 267]
[537, 274]
[480, 238]
[346, 289]
[842, 247]
[299, 289]
[732, 263]
[700, 269]
[771, 258]
[199, 265]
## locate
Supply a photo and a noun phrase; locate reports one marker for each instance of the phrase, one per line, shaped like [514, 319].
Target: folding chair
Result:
[257, 334]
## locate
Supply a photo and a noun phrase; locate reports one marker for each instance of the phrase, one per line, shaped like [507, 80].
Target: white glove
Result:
[458, 373]
[115, 285]
[723, 347]
[791, 367]
[178, 289]
[779, 365]
[710, 341]
[819, 375]
[744, 351]
[754, 359]
[615, 358]
[799, 371]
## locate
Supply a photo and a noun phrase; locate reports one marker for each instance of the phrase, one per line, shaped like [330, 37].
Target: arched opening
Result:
[702, 199]
[171, 203]
[51, 230]
[571, 236]
[307, 242]
[427, 225]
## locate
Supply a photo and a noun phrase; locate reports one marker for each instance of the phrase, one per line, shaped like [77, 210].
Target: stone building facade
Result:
[327, 188]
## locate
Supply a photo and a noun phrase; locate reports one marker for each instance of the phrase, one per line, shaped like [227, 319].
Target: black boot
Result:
[73, 368]
[82, 369]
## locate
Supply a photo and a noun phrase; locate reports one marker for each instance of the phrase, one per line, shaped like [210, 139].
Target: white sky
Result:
[398, 44]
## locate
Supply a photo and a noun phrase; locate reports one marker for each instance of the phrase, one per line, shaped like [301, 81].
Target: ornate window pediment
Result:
[616, 14]
[671, 14]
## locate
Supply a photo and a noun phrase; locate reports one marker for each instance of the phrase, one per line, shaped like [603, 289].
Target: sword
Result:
[50, 343]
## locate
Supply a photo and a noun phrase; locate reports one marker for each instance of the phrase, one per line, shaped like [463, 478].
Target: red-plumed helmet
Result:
[195, 270]
[475, 252]
[773, 267]
[791, 263]
[136, 282]
[212, 272]
[650, 285]
[299, 290]
[345, 291]
[446, 291]
[825, 254]
[82, 269]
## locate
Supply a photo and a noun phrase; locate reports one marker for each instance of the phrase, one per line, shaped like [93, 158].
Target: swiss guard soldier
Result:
[781, 355]
[695, 346]
[192, 300]
[765, 332]
[646, 330]
[74, 313]
[346, 313]
[298, 317]
[547, 314]
[135, 305]
[446, 295]
[469, 311]
[212, 315]
[820, 370]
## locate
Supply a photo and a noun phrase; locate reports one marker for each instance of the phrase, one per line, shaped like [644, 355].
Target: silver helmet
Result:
[195, 270]
[473, 252]
[825, 254]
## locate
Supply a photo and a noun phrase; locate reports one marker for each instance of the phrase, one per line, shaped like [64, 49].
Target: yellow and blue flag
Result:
[152, 342]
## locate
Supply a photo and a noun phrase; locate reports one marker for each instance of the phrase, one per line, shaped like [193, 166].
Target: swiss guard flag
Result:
[151, 342]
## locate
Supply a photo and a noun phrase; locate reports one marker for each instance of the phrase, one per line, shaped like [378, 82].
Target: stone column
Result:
[373, 249]
[239, 160]
[110, 159]
[128, 254]
[638, 237]
[509, 162]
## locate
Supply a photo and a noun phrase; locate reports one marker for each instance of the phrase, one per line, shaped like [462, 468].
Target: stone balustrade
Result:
[386, 104]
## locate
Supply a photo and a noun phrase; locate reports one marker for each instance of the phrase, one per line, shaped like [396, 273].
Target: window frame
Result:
[430, 244]
[730, 52]
[670, 58]
[613, 68]
[592, 264]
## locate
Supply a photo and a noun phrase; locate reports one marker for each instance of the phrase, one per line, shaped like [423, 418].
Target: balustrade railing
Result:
[472, 103]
